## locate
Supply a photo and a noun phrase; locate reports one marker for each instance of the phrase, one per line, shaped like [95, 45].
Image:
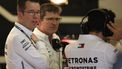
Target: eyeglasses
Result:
[32, 13]
[52, 18]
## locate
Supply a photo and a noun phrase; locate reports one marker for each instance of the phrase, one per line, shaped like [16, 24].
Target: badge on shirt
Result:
[81, 45]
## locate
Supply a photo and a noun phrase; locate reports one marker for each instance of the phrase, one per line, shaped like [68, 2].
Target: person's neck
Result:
[23, 24]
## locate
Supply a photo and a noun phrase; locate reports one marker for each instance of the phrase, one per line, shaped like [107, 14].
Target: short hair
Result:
[21, 4]
[49, 7]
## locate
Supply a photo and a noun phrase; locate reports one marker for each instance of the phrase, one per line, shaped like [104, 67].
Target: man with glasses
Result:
[50, 18]
[21, 51]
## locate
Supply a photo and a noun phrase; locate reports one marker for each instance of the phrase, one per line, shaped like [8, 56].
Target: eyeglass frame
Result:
[32, 12]
[53, 18]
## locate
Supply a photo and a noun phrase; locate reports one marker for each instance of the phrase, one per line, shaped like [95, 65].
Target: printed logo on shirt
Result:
[26, 44]
[82, 60]
[83, 67]
[81, 45]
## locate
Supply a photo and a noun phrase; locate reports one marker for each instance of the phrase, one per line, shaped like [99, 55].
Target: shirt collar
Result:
[40, 34]
[86, 38]
[26, 30]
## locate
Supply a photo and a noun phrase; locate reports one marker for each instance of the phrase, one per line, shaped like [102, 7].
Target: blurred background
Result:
[73, 11]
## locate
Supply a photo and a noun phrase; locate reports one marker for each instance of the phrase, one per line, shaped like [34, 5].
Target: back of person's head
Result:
[49, 7]
[97, 20]
[21, 4]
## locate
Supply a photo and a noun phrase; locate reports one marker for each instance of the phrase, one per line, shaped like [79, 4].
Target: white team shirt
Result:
[90, 52]
[20, 53]
[54, 58]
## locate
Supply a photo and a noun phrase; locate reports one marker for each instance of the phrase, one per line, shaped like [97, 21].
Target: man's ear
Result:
[20, 14]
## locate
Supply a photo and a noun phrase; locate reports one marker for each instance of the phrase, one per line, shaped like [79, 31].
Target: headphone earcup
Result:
[106, 31]
[109, 17]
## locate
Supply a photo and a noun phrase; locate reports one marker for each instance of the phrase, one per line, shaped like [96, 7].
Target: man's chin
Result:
[34, 27]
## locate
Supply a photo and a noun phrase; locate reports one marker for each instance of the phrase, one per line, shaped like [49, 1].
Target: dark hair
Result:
[97, 21]
[49, 7]
[21, 4]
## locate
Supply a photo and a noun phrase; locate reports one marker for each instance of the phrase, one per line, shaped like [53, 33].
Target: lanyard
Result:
[32, 42]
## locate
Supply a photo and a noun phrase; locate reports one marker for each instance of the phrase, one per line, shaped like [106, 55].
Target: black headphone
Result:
[97, 20]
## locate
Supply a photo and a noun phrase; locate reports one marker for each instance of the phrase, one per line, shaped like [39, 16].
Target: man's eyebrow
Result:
[33, 10]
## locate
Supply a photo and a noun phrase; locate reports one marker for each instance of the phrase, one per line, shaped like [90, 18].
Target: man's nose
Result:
[36, 15]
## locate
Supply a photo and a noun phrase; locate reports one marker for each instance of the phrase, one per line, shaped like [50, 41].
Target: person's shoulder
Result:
[16, 35]
[107, 45]
[110, 49]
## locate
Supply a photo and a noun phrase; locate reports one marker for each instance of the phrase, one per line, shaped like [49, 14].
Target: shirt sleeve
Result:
[29, 53]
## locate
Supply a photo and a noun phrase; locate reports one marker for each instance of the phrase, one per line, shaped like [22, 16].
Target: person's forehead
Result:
[52, 14]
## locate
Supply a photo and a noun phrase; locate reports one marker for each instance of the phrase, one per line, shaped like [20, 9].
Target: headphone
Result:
[97, 20]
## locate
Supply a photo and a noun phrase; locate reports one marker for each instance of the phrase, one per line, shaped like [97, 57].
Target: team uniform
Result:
[21, 52]
[90, 52]
[54, 57]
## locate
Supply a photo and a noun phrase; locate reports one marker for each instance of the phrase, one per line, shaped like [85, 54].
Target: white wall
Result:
[114, 5]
